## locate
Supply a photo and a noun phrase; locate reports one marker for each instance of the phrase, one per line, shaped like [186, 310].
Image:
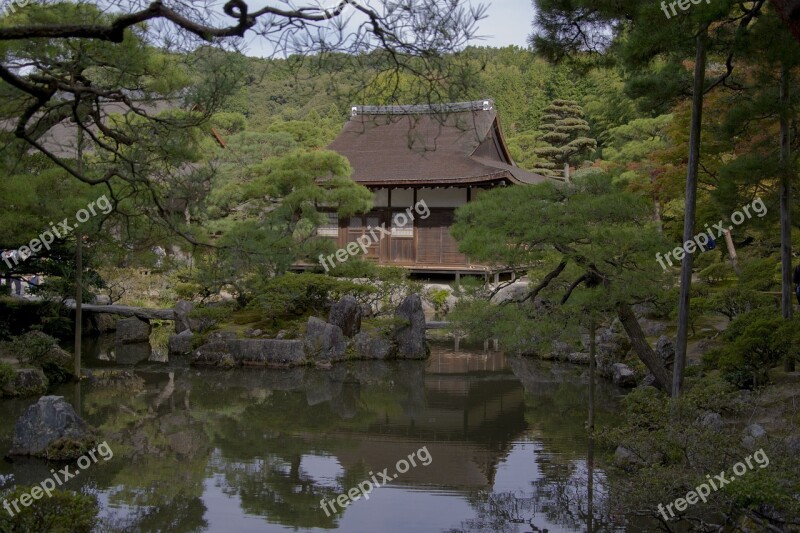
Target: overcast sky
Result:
[508, 22]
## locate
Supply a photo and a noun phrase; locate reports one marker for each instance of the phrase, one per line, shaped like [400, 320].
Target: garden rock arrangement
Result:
[26, 382]
[338, 339]
[50, 428]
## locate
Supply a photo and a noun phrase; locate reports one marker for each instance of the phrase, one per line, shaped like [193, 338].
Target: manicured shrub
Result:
[63, 512]
[7, 374]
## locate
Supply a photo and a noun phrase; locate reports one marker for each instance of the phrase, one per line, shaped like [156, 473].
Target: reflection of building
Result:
[467, 420]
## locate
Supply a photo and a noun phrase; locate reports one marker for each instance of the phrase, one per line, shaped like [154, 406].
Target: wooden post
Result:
[732, 252]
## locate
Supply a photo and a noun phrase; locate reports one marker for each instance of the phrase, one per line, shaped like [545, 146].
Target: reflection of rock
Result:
[51, 428]
[371, 347]
[27, 382]
[324, 341]
[347, 315]
[410, 336]
[320, 388]
[116, 379]
[233, 352]
[132, 331]
[131, 354]
[346, 404]
[181, 344]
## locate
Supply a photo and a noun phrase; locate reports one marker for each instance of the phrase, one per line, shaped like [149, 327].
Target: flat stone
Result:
[234, 352]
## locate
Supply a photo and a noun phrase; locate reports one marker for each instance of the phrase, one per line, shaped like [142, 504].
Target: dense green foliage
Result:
[63, 512]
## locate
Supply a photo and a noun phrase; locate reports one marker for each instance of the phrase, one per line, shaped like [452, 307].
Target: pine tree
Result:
[565, 131]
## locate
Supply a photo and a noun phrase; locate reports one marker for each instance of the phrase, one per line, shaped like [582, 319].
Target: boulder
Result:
[752, 434]
[233, 352]
[649, 381]
[132, 330]
[623, 376]
[665, 350]
[324, 341]
[253, 333]
[346, 314]
[712, 421]
[410, 335]
[378, 347]
[182, 322]
[181, 344]
[102, 322]
[27, 382]
[102, 299]
[578, 358]
[50, 428]
[625, 458]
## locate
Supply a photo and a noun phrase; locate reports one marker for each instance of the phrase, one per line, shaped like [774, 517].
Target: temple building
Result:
[442, 155]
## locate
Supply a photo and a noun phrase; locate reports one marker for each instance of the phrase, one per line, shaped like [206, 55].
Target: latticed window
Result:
[330, 228]
[402, 225]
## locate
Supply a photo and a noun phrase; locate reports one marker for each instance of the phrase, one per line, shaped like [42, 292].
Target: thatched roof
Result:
[429, 145]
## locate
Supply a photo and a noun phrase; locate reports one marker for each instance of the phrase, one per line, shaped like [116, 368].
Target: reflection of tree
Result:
[280, 491]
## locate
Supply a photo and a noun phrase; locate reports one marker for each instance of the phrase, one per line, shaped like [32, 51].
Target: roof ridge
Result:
[422, 109]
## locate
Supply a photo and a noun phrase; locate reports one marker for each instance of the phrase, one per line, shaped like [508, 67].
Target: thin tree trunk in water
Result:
[590, 456]
[786, 212]
[642, 348]
[689, 215]
[732, 252]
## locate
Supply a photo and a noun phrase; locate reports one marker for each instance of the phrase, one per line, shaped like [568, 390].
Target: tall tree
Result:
[598, 243]
[655, 54]
[565, 131]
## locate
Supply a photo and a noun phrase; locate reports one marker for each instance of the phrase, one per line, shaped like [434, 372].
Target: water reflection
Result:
[256, 450]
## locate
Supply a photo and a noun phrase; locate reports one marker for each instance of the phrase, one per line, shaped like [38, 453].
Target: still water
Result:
[256, 450]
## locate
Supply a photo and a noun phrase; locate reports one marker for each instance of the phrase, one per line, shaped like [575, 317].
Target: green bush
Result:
[716, 272]
[41, 350]
[297, 295]
[756, 341]
[735, 301]
[208, 316]
[760, 274]
[63, 512]
[438, 298]
[7, 374]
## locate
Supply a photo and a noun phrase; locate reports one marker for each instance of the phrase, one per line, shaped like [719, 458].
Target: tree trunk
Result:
[787, 306]
[732, 252]
[689, 214]
[641, 347]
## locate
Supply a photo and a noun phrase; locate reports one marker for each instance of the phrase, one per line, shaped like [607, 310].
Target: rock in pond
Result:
[27, 382]
[324, 341]
[366, 346]
[181, 344]
[410, 336]
[346, 314]
[132, 331]
[234, 352]
[50, 428]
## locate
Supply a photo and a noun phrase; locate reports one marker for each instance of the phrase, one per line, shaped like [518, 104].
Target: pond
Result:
[499, 444]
